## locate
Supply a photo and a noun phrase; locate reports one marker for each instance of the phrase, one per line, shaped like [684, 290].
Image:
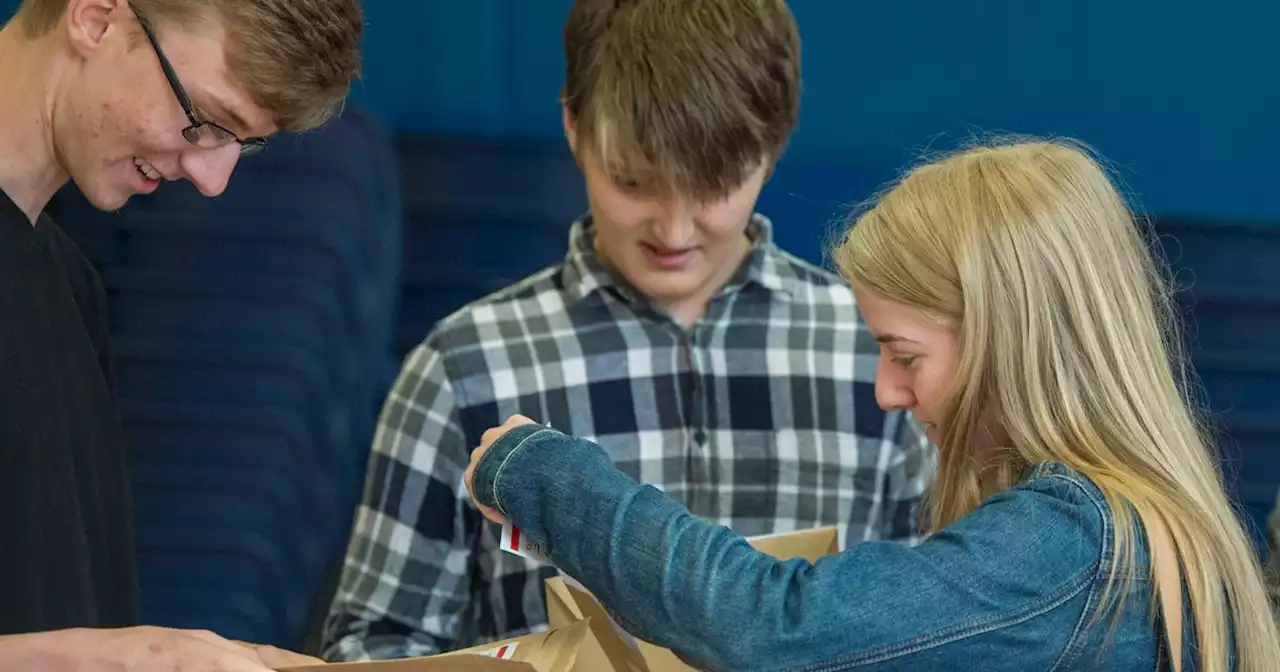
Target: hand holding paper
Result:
[486, 440]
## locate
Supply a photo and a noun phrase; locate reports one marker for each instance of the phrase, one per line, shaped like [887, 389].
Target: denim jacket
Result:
[1011, 586]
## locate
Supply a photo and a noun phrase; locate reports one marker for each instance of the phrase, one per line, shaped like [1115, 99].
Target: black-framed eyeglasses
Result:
[200, 133]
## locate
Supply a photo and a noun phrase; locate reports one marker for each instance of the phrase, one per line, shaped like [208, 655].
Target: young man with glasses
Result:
[117, 96]
[708, 362]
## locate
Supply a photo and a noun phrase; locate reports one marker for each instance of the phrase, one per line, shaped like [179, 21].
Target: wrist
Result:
[489, 470]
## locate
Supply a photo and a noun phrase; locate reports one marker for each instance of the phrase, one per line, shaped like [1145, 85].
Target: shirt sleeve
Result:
[405, 580]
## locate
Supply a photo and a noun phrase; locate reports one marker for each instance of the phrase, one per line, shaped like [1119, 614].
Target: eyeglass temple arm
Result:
[169, 74]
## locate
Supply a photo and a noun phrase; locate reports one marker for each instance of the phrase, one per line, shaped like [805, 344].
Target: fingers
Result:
[274, 657]
[202, 650]
[467, 477]
[231, 663]
[469, 480]
[149, 648]
[213, 639]
[517, 420]
[228, 663]
[486, 441]
[494, 433]
[491, 514]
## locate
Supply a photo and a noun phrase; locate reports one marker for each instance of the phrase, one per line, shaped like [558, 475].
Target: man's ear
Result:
[570, 131]
[89, 22]
[772, 164]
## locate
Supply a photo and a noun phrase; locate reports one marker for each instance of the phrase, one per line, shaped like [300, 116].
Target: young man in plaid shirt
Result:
[710, 363]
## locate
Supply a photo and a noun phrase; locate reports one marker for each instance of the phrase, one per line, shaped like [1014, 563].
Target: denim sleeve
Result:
[703, 592]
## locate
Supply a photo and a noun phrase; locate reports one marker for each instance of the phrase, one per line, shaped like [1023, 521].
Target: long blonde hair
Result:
[1069, 343]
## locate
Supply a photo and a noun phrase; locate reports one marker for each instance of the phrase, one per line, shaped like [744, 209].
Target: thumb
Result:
[491, 514]
[229, 662]
[517, 420]
[278, 658]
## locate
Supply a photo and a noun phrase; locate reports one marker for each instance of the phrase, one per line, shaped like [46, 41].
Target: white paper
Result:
[514, 542]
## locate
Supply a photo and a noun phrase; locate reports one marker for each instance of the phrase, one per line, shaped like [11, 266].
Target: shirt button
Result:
[701, 437]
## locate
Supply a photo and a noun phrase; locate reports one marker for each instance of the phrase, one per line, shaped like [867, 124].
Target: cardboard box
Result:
[569, 602]
[560, 649]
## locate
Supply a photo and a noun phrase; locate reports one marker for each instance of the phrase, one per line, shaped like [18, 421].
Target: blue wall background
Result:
[1183, 98]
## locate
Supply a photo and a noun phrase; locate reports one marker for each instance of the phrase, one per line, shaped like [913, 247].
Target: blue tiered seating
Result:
[252, 344]
[479, 215]
[1230, 293]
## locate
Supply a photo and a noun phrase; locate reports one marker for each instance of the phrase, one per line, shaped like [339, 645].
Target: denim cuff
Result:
[485, 479]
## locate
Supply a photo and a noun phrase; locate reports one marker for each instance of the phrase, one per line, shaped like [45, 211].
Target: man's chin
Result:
[112, 201]
[666, 289]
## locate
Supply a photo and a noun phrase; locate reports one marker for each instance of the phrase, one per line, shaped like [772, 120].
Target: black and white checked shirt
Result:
[761, 417]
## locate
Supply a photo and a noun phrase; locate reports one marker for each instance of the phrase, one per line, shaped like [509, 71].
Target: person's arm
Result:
[405, 579]
[910, 472]
[702, 591]
[30, 651]
[139, 649]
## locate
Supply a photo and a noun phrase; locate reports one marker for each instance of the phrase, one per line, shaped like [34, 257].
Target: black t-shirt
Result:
[66, 528]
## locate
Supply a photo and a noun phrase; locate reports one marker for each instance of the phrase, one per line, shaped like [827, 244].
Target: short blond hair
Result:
[295, 58]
